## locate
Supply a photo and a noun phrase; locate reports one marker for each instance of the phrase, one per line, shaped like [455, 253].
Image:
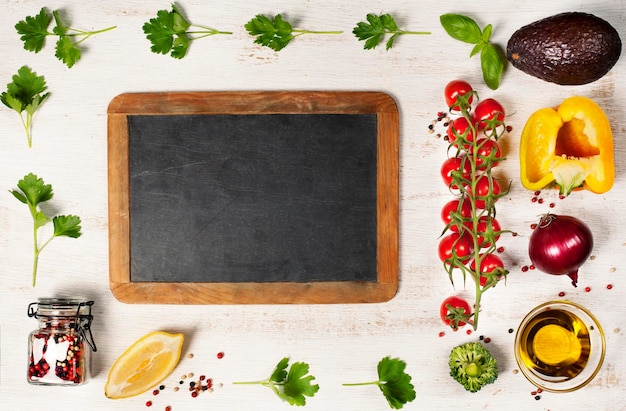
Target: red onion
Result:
[560, 245]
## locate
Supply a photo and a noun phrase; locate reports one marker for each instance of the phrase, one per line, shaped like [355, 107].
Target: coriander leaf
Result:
[461, 28]
[169, 32]
[291, 385]
[33, 30]
[25, 94]
[465, 29]
[32, 192]
[280, 372]
[492, 66]
[275, 33]
[298, 385]
[67, 225]
[67, 52]
[377, 26]
[393, 381]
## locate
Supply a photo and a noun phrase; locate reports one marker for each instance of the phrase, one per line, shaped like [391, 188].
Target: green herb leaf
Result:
[274, 33]
[67, 226]
[373, 31]
[461, 28]
[394, 382]
[32, 192]
[465, 29]
[298, 384]
[33, 30]
[25, 94]
[169, 32]
[67, 52]
[292, 385]
[492, 66]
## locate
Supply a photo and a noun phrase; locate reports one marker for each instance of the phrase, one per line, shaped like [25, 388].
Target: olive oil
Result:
[555, 345]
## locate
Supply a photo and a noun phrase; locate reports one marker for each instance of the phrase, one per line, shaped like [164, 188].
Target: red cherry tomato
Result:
[460, 127]
[456, 245]
[455, 167]
[490, 265]
[452, 206]
[483, 190]
[457, 88]
[455, 312]
[486, 111]
[486, 148]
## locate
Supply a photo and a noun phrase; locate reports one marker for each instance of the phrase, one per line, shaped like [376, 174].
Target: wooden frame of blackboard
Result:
[256, 102]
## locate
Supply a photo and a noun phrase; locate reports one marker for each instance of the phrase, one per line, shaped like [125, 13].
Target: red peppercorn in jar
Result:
[59, 352]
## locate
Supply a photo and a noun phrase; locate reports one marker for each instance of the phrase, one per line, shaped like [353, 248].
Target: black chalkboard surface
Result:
[262, 197]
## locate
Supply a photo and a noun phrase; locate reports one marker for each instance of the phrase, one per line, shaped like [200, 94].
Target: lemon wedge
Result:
[144, 364]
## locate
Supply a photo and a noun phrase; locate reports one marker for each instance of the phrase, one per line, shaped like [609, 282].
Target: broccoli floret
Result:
[473, 366]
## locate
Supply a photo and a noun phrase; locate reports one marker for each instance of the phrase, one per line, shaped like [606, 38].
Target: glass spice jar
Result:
[59, 352]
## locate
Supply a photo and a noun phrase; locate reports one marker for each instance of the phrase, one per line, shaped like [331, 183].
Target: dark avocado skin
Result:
[569, 48]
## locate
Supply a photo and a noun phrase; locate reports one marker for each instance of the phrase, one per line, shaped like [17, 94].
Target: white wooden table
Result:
[342, 343]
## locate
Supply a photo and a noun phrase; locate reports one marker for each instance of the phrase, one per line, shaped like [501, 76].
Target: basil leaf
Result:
[492, 66]
[461, 28]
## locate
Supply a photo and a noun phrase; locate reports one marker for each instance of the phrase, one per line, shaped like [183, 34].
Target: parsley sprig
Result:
[25, 95]
[289, 385]
[393, 381]
[276, 33]
[465, 29]
[170, 32]
[377, 27]
[34, 30]
[32, 192]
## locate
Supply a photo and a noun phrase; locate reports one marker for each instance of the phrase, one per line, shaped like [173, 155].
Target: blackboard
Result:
[253, 197]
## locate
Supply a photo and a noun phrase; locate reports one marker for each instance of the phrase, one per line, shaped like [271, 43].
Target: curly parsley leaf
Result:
[276, 32]
[25, 95]
[32, 192]
[169, 32]
[465, 29]
[292, 384]
[374, 30]
[393, 381]
[34, 30]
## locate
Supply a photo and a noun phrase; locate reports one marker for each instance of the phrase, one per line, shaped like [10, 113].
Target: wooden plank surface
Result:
[343, 342]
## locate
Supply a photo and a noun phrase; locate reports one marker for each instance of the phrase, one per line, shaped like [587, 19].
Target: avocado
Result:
[570, 48]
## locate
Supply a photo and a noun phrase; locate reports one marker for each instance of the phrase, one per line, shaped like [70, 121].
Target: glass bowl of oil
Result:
[559, 346]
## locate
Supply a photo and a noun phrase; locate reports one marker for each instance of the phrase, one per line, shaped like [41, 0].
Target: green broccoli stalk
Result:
[473, 366]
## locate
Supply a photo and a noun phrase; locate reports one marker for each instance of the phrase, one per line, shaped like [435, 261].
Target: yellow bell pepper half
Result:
[570, 146]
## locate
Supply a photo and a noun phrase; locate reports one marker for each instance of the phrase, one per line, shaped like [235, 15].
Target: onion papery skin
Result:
[560, 245]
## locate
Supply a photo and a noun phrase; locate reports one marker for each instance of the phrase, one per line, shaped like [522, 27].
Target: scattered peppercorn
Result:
[587, 289]
[487, 340]
[220, 355]
[552, 205]
[148, 403]
[441, 333]
[609, 286]
[524, 268]
[510, 331]
[538, 397]
[562, 294]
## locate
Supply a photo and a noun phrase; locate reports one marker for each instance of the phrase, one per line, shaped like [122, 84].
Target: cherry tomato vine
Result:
[468, 241]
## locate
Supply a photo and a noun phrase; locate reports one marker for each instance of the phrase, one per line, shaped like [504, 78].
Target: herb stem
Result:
[361, 383]
[414, 32]
[301, 32]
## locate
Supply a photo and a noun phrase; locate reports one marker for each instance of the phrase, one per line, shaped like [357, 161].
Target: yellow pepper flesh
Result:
[571, 146]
